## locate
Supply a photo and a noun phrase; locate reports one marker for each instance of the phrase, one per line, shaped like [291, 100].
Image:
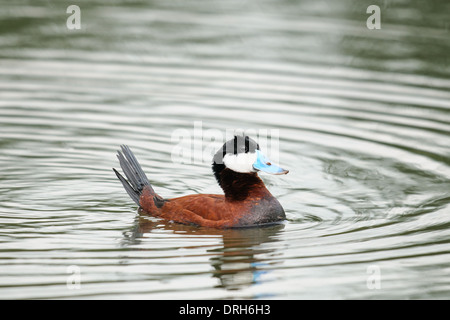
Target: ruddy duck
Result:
[246, 201]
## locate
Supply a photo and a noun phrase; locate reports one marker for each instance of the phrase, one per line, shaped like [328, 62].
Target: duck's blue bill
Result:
[262, 163]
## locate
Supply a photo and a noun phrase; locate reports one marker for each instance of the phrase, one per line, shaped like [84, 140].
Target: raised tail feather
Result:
[137, 180]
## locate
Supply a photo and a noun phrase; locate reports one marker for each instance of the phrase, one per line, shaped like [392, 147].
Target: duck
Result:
[245, 202]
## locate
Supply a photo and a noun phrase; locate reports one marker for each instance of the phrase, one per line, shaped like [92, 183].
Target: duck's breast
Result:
[266, 210]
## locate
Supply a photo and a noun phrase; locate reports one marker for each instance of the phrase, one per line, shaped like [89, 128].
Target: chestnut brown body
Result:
[246, 201]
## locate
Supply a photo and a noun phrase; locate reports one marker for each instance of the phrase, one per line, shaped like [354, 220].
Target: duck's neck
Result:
[239, 186]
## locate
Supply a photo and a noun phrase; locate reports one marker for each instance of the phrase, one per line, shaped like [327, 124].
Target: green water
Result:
[360, 117]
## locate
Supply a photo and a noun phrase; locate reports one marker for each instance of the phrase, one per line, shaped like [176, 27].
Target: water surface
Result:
[363, 118]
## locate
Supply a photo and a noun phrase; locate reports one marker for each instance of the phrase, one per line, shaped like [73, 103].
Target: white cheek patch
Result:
[241, 162]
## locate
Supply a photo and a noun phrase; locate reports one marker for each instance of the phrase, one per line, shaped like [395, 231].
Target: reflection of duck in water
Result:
[241, 260]
[246, 202]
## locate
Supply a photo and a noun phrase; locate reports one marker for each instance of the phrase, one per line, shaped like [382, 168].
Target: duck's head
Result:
[242, 154]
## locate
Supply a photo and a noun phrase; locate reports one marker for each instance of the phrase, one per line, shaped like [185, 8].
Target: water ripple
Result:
[364, 129]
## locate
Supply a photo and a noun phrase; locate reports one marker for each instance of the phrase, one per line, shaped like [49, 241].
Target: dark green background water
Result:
[363, 118]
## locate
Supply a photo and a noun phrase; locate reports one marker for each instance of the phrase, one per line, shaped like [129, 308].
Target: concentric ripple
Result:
[363, 123]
